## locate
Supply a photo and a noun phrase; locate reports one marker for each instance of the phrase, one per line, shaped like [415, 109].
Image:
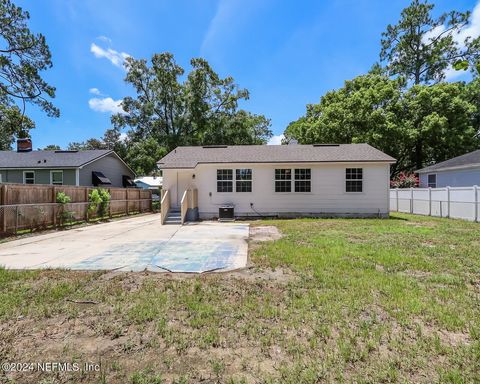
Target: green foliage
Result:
[51, 147]
[63, 198]
[99, 200]
[63, 215]
[418, 125]
[404, 109]
[167, 112]
[420, 47]
[23, 55]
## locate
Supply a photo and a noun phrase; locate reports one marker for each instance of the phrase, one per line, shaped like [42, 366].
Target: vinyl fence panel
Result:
[454, 202]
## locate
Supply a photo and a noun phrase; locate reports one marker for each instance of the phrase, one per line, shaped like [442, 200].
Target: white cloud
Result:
[105, 39]
[94, 91]
[106, 104]
[123, 136]
[276, 140]
[116, 58]
[472, 29]
[230, 20]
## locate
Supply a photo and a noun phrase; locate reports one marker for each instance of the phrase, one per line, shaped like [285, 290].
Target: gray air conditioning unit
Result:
[226, 213]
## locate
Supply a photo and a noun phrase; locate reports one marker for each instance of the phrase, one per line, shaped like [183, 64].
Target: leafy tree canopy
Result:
[404, 108]
[23, 55]
[202, 109]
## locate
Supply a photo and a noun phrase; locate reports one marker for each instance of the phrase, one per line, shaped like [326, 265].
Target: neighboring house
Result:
[85, 168]
[149, 182]
[461, 171]
[281, 180]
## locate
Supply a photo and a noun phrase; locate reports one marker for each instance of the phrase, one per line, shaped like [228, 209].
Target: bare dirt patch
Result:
[265, 233]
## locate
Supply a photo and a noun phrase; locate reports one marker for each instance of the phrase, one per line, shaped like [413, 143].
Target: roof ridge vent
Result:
[66, 151]
[214, 146]
[326, 145]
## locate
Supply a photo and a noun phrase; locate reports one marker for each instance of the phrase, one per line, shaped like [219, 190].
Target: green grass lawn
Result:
[334, 300]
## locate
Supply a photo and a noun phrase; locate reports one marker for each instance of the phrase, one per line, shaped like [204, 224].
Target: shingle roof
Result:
[469, 159]
[189, 157]
[49, 159]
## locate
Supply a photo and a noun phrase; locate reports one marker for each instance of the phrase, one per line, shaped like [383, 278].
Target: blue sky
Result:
[286, 53]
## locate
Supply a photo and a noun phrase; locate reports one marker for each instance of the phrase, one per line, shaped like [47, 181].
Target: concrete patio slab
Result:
[134, 244]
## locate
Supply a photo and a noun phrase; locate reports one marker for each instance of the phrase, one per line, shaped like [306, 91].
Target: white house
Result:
[149, 182]
[350, 180]
[461, 171]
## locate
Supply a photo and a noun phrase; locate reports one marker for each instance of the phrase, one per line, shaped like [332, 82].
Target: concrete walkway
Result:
[134, 244]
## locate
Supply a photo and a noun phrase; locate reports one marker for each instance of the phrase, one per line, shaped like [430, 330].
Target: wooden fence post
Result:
[475, 191]
[54, 200]
[110, 203]
[86, 205]
[4, 202]
[126, 199]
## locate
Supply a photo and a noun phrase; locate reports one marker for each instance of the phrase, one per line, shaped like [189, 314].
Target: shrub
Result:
[99, 200]
[63, 215]
[404, 180]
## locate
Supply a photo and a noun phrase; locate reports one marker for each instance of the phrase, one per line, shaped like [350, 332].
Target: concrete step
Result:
[176, 222]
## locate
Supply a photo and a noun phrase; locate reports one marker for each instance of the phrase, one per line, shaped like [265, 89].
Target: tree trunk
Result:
[419, 154]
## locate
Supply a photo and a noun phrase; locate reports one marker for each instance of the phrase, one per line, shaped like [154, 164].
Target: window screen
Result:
[243, 180]
[283, 180]
[224, 180]
[303, 180]
[354, 180]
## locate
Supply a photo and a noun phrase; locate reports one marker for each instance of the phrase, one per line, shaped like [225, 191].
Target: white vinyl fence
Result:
[454, 202]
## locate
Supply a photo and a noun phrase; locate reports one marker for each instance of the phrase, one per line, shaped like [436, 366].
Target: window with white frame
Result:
[224, 180]
[432, 180]
[303, 180]
[243, 180]
[354, 180]
[56, 177]
[29, 177]
[283, 180]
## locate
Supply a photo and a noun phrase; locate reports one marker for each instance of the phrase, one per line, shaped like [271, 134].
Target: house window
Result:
[283, 180]
[243, 180]
[56, 177]
[28, 177]
[303, 180]
[354, 180]
[224, 180]
[432, 181]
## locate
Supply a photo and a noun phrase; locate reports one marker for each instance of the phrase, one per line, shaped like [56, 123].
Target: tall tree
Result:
[380, 111]
[23, 56]
[203, 109]
[421, 48]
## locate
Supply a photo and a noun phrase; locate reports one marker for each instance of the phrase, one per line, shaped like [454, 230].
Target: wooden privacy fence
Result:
[29, 207]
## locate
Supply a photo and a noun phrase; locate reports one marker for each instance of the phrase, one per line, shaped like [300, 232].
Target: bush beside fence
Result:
[454, 202]
[30, 207]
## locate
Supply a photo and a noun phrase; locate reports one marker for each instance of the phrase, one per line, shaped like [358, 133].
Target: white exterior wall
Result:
[327, 196]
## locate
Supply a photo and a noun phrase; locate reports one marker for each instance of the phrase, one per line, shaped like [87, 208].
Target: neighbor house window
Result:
[243, 180]
[354, 180]
[432, 181]
[303, 180]
[28, 177]
[56, 177]
[224, 180]
[283, 180]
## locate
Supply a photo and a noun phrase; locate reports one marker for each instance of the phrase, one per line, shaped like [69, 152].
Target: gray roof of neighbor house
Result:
[50, 159]
[471, 159]
[189, 157]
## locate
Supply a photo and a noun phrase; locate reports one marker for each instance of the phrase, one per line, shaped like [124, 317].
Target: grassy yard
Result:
[393, 300]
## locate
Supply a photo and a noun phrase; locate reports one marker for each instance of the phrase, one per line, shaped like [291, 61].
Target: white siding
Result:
[327, 196]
